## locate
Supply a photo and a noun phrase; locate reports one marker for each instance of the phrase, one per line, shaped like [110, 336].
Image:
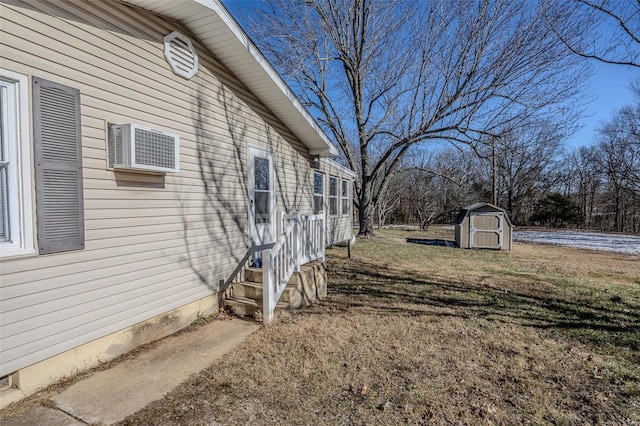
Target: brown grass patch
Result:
[418, 334]
[431, 335]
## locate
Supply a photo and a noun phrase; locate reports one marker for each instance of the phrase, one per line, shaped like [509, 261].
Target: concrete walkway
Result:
[109, 396]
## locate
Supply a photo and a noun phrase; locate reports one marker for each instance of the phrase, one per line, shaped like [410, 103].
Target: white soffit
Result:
[215, 27]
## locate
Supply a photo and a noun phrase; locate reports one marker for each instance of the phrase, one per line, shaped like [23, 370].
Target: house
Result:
[483, 225]
[149, 152]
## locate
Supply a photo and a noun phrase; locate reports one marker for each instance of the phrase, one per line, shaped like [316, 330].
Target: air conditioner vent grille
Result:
[135, 147]
[155, 149]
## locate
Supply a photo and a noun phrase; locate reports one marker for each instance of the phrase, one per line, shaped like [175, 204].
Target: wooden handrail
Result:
[242, 264]
[301, 241]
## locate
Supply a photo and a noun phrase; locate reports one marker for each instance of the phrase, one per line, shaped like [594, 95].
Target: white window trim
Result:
[318, 194]
[345, 212]
[20, 202]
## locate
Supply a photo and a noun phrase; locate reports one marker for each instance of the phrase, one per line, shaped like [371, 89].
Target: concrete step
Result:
[291, 295]
[304, 288]
[253, 275]
[311, 280]
[242, 306]
[245, 307]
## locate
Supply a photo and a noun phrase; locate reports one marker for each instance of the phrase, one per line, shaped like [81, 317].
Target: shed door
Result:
[261, 197]
[485, 230]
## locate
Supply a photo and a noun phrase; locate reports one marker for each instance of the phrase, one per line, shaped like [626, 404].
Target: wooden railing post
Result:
[323, 236]
[297, 245]
[268, 306]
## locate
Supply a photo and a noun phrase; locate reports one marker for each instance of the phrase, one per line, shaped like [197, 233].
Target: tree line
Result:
[537, 180]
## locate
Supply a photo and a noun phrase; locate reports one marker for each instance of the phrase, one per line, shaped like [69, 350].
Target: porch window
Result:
[345, 197]
[333, 196]
[16, 229]
[262, 191]
[318, 192]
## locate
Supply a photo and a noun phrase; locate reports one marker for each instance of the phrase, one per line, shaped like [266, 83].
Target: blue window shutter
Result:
[58, 166]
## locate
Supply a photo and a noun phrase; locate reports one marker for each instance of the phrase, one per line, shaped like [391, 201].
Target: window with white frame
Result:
[333, 196]
[16, 227]
[344, 199]
[318, 192]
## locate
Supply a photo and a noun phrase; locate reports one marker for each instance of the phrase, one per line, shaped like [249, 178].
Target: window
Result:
[16, 225]
[318, 192]
[262, 191]
[333, 196]
[345, 197]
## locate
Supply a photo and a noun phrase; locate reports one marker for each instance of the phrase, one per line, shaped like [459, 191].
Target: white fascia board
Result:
[339, 166]
[247, 63]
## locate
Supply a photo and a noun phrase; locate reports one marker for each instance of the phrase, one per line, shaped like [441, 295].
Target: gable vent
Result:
[180, 55]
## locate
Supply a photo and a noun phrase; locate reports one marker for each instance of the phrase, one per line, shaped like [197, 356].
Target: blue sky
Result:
[608, 88]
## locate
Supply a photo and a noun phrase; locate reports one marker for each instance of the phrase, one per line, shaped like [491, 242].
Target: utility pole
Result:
[494, 186]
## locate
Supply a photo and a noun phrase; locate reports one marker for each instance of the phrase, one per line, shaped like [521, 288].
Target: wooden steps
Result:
[304, 288]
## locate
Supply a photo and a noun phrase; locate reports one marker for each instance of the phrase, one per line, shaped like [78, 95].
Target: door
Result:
[485, 230]
[261, 197]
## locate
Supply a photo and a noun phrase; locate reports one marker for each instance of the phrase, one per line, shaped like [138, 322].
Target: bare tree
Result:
[620, 140]
[389, 199]
[382, 76]
[439, 183]
[618, 155]
[421, 199]
[612, 30]
[584, 181]
[604, 179]
[525, 164]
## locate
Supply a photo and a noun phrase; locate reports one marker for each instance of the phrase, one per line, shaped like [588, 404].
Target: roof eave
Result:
[208, 20]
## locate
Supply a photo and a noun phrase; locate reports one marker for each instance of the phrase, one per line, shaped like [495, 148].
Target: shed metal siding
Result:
[153, 243]
[486, 238]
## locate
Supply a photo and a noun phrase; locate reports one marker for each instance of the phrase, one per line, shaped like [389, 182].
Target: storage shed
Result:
[483, 225]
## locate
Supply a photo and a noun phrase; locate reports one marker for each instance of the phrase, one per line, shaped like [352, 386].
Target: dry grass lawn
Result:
[416, 334]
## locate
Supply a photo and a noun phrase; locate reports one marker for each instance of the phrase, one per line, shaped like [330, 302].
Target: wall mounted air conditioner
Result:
[135, 147]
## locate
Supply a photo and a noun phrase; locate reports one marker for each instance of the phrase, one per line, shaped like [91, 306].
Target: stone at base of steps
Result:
[291, 295]
[304, 288]
[245, 307]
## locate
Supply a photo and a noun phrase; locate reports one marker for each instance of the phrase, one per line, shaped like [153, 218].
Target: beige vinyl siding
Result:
[339, 228]
[153, 242]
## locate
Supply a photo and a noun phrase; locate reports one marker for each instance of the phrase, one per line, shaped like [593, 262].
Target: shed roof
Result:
[212, 24]
[466, 210]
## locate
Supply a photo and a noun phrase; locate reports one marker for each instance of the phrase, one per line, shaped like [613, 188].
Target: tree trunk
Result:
[616, 215]
[367, 209]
